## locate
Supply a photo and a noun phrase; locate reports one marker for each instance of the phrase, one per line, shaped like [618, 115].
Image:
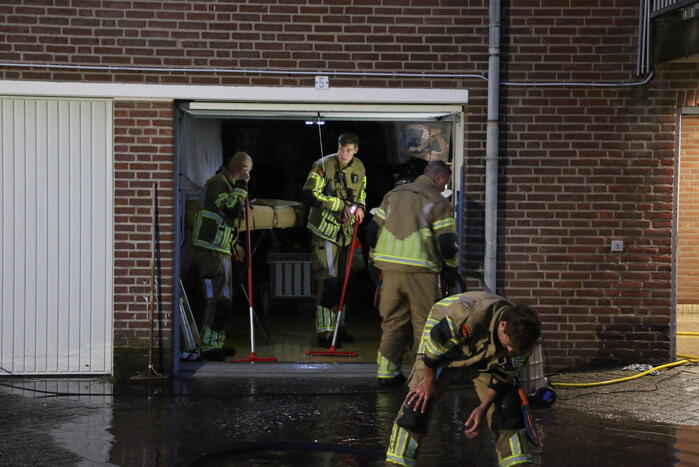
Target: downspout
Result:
[491, 150]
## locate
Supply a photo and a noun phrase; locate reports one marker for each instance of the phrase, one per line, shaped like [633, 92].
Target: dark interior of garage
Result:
[283, 151]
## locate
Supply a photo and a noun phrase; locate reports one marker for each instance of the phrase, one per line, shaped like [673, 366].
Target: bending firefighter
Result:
[335, 190]
[412, 236]
[487, 339]
[214, 236]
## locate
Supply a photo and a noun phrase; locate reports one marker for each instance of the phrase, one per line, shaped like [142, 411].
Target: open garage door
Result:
[284, 140]
[56, 224]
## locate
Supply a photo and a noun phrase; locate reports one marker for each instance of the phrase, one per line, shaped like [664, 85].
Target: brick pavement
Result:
[670, 397]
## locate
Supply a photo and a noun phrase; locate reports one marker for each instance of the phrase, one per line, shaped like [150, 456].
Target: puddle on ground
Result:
[321, 422]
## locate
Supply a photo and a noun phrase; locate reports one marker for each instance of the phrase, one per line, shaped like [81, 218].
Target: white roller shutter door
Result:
[56, 205]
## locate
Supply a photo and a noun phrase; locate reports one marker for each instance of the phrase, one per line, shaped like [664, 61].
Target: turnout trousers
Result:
[328, 262]
[215, 277]
[406, 299]
[511, 443]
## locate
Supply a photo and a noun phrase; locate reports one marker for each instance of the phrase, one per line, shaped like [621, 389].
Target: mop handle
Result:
[344, 285]
[249, 253]
[349, 264]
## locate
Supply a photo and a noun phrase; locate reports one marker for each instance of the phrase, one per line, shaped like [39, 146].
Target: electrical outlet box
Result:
[617, 245]
[322, 82]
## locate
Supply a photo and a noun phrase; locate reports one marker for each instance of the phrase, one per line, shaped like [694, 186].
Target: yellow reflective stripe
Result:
[432, 349]
[449, 300]
[518, 456]
[402, 441]
[402, 447]
[361, 198]
[410, 251]
[325, 319]
[315, 176]
[405, 261]
[221, 200]
[211, 339]
[223, 239]
[411, 449]
[515, 445]
[394, 438]
[325, 234]
[514, 460]
[443, 224]
[210, 246]
[229, 200]
[429, 324]
[385, 368]
[380, 213]
[320, 183]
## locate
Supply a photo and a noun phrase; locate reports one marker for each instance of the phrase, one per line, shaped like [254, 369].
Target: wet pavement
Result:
[263, 421]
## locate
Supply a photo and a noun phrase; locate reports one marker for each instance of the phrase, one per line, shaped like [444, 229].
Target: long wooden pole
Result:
[151, 300]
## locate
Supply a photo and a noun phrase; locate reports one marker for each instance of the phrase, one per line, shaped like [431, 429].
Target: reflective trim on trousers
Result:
[326, 319]
[329, 257]
[518, 455]
[402, 448]
[385, 369]
[211, 339]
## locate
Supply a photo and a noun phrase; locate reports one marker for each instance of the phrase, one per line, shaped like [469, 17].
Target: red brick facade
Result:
[143, 157]
[580, 166]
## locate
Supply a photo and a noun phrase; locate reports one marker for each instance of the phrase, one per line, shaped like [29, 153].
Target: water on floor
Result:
[286, 330]
[296, 421]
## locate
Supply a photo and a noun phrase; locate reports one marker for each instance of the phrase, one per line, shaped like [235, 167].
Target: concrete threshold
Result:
[276, 370]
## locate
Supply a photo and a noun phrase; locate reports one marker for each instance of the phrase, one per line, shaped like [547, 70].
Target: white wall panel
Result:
[56, 221]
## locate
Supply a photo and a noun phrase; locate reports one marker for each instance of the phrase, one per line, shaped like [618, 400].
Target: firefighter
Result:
[335, 190]
[483, 337]
[412, 236]
[214, 236]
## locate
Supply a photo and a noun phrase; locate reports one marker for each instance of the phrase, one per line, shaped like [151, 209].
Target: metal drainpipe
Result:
[491, 150]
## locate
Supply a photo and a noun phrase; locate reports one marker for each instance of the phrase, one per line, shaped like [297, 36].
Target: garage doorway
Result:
[284, 140]
[687, 235]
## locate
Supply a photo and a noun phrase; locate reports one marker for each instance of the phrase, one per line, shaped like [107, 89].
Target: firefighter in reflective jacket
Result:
[214, 235]
[412, 236]
[335, 190]
[486, 338]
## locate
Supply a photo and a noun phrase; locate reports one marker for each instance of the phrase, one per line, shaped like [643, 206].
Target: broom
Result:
[331, 352]
[252, 356]
[151, 373]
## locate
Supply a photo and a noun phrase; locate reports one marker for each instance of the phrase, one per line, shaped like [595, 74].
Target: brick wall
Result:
[143, 157]
[580, 166]
[336, 34]
[688, 216]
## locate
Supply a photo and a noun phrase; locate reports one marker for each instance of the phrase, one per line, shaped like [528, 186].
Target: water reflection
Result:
[173, 424]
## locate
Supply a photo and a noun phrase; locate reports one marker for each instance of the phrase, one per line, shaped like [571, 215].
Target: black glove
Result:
[452, 280]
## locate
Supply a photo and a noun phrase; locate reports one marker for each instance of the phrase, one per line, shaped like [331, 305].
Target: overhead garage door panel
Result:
[346, 112]
[56, 266]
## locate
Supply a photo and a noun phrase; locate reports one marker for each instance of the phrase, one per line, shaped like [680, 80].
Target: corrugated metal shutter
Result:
[56, 233]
